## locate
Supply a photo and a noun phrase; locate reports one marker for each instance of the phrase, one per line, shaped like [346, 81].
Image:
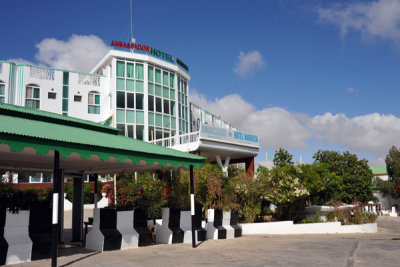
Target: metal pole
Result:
[95, 190]
[61, 207]
[192, 207]
[56, 181]
[115, 189]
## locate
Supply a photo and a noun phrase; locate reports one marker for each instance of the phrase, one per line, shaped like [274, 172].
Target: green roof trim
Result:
[378, 170]
[108, 121]
[28, 113]
[19, 131]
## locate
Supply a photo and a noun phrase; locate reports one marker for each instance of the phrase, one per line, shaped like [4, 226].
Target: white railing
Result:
[178, 140]
[89, 79]
[228, 135]
[212, 133]
[41, 73]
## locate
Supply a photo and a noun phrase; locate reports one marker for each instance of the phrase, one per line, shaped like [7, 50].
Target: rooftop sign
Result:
[152, 51]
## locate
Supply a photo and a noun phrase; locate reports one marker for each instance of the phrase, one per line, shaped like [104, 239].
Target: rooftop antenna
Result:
[132, 39]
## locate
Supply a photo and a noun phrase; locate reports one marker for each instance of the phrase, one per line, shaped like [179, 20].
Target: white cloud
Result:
[276, 127]
[21, 61]
[379, 162]
[368, 133]
[79, 52]
[376, 19]
[224, 107]
[248, 63]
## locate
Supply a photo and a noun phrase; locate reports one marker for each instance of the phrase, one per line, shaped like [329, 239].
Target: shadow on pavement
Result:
[75, 251]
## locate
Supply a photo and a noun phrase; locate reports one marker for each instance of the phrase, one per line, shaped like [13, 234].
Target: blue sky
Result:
[304, 75]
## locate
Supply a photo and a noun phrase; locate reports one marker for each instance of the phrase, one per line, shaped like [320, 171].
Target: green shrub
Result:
[342, 216]
[87, 192]
[35, 196]
[145, 193]
[250, 213]
[315, 219]
[358, 216]
[15, 199]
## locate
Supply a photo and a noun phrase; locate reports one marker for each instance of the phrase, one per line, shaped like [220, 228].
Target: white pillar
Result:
[225, 165]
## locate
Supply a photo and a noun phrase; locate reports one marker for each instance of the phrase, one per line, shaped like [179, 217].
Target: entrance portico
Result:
[32, 140]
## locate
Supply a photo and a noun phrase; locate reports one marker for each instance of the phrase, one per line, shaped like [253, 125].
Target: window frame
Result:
[3, 96]
[97, 106]
[32, 98]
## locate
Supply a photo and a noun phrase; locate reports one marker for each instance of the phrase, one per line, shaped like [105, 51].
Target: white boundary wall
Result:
[288, 227]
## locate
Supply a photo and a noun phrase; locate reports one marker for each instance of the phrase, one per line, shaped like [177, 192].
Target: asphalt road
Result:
[379, 249]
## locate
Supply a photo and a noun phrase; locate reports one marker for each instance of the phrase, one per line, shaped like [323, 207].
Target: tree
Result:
[282, 187]
[247, 194]
[388, 188]
[351, 178]
[282, 158]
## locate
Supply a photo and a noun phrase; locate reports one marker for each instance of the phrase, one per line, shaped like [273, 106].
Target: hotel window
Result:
[158, 76]
[32, 96]
[120, 99]
[94, 103]
[65, 94]
[130, 102]
[2, 92]
[129, 71]
[139, 101]
[151, 74]
[120, 69]
[139, 71]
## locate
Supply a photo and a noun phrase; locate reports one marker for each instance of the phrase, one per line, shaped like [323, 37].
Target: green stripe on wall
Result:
[11, 84]
[20, 84]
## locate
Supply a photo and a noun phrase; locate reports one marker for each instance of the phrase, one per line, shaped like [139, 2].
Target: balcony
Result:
[211, 141]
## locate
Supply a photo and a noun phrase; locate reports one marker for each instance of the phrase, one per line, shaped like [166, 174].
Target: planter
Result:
[221, 225]
[130, 238]
[40, 232]
[140, 225]
[234, 224]
[3, 242]
[114, 230]
[176, 227]
[17, 236]
[287, 227]
[104, 234]
[25, 236]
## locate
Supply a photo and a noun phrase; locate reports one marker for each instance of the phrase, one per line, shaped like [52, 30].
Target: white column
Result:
[225, 165]
[146, 103]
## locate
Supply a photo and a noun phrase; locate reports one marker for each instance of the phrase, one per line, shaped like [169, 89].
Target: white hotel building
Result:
[144, 96]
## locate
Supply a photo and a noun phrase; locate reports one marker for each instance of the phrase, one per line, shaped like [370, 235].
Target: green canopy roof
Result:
[23, 129]
[378, 170]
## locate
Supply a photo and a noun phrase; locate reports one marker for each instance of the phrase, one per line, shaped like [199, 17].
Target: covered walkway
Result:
[38, 141]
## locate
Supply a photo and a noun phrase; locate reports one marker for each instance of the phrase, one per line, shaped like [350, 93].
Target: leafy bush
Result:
[358, 216]
[35, 196]
[282, 187]
[312, 220]
[315, 219]
[15, 199]
[146, 193]
[248, 196]
[87, 192]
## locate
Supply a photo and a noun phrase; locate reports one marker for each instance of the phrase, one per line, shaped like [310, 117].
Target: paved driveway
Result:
[380, 249]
